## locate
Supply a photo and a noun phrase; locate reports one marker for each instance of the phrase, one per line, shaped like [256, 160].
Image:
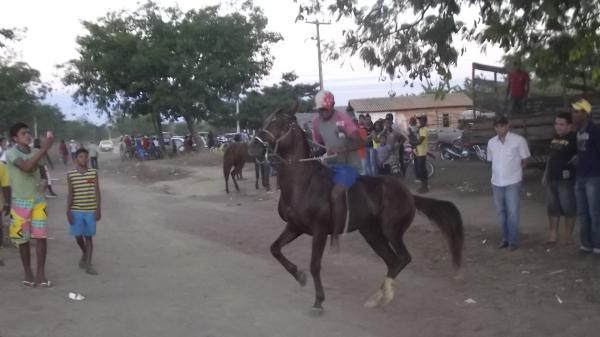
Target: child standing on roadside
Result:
[83, 207]
[4, 199]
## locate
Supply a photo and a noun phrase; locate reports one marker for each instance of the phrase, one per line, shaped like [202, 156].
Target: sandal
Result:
[28, 284]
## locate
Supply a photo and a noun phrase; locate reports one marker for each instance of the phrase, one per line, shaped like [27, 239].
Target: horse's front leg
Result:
[257, 171]
[318, 246]
[288, 235]
[266, 174]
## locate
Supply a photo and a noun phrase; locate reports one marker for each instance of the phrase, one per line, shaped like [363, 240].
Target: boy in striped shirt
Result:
[83, 207]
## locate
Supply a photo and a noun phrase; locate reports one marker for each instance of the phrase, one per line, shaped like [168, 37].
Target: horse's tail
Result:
[447, 218]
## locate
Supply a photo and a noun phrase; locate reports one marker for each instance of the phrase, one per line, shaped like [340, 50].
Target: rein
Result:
[303, 160]
[284, 136]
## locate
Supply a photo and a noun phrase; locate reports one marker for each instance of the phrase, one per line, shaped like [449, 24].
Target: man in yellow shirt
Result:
[4, 199]
[421, 155]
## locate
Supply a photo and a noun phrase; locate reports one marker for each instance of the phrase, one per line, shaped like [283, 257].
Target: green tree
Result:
[259, 103]
[413, 39]
[164, 62]
[20, 86]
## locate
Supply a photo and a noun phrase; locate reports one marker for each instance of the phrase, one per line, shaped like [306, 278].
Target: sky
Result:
[53, 26]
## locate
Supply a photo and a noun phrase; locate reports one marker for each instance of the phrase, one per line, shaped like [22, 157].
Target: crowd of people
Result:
[571, 177]
[387, 148]
[139, 148]
[144, 147]
[24, 177]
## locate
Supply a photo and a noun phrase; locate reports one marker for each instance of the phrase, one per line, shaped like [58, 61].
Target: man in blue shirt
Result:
[587, 185]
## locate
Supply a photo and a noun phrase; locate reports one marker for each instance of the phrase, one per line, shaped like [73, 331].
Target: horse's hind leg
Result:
[226, 170]
[377, 240]
[233, 178]
[318, 246]
[288, 235]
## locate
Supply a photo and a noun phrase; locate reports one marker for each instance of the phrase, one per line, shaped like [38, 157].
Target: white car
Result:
[106, 146]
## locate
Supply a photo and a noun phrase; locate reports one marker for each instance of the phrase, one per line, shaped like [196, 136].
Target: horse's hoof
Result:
[371, 303]
[317, 311]
[374, 300]
[301, 277]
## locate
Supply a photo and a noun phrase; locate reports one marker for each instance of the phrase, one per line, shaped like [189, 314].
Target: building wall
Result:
[435, 117]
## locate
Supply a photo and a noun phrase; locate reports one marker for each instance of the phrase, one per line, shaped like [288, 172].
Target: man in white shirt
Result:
[93, 153]
[73, 147]
[509, 155]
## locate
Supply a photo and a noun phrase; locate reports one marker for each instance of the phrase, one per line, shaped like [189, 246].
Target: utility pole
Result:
[237, 114]
[318, 24]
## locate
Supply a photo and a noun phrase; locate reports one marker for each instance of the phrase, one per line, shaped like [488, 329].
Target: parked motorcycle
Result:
[457, 149]
[409, 160]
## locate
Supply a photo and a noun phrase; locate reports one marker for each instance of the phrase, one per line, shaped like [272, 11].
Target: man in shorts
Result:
[559, 178]
[336, 131]
[28, 206]
[83, 207]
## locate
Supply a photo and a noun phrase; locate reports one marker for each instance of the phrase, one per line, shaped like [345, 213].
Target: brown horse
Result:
[235, 158]
[381, 209]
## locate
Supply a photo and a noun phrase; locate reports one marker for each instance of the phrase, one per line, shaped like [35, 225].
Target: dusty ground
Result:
[179, 257]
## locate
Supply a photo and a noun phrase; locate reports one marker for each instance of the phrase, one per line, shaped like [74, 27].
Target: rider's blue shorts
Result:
[344, 174]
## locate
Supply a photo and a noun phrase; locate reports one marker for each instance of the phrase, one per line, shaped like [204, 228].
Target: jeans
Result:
[587, 193]
[371, 162]
[94, 161]
[517, 106]
[363, 166]
[421, 168]
[508, 203]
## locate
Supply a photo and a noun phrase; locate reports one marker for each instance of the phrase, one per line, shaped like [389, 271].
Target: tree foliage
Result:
[259, 103]
[413, 39]
[163, 61]
[20, 86]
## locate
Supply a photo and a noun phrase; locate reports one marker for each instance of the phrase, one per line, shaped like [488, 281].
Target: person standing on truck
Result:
[518, 89]
[587, 182]
[509, 154]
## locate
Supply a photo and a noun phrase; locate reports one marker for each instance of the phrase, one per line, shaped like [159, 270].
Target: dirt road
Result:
[178, 257]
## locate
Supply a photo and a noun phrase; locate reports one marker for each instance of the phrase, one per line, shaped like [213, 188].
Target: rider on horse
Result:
[336, 131]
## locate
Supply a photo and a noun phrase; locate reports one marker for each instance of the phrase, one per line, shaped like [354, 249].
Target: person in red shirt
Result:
[64, 151]
[362, 133]
[146, 143]
[518, 89]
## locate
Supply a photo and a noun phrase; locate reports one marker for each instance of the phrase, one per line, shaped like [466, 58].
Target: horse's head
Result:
[276, 133]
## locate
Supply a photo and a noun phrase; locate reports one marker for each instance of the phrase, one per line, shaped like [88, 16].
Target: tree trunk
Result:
[157, 121]
[563, 88]
[190, 122]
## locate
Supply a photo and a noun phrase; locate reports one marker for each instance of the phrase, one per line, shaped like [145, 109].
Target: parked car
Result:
[227, 138]
[106, 145]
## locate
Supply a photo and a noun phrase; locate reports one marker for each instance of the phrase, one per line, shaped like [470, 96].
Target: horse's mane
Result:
[305, 140]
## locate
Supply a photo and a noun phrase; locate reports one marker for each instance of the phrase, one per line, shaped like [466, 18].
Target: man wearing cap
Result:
[587, 184]
[336, 131]
[509, 154]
